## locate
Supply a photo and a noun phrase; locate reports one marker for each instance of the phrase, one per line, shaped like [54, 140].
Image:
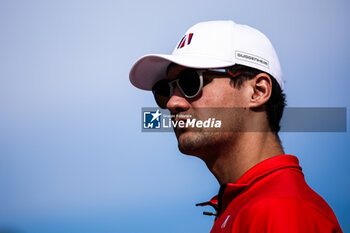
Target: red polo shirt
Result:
[272, 197]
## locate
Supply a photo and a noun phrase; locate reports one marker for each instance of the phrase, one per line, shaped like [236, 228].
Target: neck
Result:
[241, 153]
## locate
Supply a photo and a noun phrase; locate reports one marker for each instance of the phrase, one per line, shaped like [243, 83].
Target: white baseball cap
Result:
[213, 44]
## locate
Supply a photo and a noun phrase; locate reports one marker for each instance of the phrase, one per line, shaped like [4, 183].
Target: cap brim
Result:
[150, 68]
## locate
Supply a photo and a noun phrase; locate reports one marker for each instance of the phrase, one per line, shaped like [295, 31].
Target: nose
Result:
[177, 102]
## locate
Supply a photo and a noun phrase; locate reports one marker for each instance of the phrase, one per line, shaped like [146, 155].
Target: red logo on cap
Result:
[186, 40]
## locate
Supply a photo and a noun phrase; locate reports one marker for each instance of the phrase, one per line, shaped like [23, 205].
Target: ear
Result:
[261, 90]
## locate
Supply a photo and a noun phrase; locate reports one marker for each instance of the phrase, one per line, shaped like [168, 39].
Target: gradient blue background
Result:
[72, 155]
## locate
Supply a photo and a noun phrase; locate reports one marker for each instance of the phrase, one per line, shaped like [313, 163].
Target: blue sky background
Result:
[72, 155]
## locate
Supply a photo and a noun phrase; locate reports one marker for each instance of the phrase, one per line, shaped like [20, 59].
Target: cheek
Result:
[210, 97]
[238, 98]
[219, 93]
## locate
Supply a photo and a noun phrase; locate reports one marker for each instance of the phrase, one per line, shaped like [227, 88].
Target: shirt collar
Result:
[229, 191]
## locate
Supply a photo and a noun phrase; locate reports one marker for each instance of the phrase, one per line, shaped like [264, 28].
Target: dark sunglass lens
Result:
[161, 92]
[189, 82]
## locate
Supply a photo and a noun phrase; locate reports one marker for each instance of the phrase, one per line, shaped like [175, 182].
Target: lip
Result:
[179, 119]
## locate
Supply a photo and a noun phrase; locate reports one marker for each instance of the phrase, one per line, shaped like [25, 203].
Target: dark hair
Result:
[274, 106]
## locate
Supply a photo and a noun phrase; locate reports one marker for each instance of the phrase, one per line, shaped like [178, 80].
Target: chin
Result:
[200, 144]
[192, 143]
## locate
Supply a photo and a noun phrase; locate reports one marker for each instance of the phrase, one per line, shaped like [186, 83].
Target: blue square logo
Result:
[152, 119]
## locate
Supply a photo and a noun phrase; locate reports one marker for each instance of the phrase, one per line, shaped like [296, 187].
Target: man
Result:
[234, 70]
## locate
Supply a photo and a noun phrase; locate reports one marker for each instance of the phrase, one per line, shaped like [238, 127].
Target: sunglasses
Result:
[189, 81]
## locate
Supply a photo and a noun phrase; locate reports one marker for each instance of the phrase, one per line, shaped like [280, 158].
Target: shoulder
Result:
[281, 214]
